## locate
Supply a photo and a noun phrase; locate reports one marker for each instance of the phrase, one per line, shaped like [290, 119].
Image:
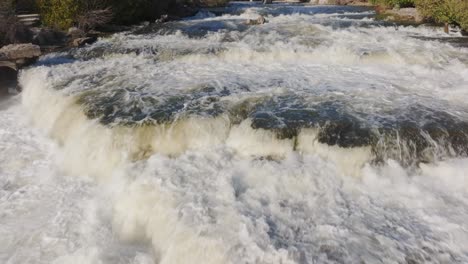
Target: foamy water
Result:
[322, 136]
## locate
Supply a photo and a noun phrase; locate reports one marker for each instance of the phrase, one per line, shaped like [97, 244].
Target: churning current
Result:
[322, 136]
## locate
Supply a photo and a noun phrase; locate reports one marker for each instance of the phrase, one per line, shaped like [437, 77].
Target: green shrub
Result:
[58, 13]
[65, 13]
[445, 11]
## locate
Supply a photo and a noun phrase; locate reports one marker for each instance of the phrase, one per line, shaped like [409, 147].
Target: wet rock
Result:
[259, 21]
[13, 57]
[418, 135]
[8, 76]
[162, 19]
[149, 109]
[346, 133]
[112, 28]
[75, 33]
[20, 51]
[167, 18]
[80, 42]
[48, 37]
[95, 33]
[266, 2]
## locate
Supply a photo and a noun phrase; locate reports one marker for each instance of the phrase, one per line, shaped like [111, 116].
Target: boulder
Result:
[48, 37]
[75, 33]
[80, 42]
[20, 51]
[259, 21]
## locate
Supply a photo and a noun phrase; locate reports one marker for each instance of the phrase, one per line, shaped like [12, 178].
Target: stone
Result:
[259, 21]
[48, 37]
[21, 51]
[95, 33]
[75, 33]
[80, 42]
[163, 19]
[167, 18]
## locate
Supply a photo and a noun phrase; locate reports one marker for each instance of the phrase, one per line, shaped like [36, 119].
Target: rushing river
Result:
[322, 136]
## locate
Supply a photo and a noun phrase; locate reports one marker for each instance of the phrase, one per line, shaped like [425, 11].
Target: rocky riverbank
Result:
[12, 58]
[36, 38]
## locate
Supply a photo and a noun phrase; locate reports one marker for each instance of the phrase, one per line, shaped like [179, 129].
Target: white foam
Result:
[349, 160]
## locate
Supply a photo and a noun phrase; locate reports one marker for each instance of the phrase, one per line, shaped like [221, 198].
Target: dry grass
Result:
[94, 18]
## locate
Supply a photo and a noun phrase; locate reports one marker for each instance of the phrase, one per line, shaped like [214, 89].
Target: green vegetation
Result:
[58, 13]
[445, 11]
[453, 12]
[64, 13]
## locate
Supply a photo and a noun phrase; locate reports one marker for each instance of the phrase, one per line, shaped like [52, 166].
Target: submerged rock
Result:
[259, 21]
[167, 18]
[80, 42]
[409, 136]
[418, 135]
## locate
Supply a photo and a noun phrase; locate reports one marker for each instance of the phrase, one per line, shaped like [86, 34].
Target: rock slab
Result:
[20, 51]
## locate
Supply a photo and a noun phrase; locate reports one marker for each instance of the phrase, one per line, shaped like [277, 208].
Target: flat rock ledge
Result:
[15, 52]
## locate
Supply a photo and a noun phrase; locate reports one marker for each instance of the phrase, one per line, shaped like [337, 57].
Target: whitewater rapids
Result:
[322, 136]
